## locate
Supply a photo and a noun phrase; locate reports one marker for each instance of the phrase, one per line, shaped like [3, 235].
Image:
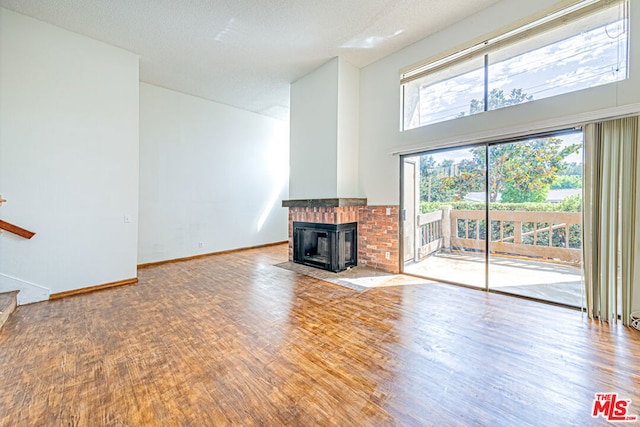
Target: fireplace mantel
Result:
[324, 203]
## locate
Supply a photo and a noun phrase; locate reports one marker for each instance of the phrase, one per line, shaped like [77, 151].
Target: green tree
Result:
[431, 176]
[566, 181]
[574, 168]
[512, 194]
[497, 99]
[467, 176]
[521, 171]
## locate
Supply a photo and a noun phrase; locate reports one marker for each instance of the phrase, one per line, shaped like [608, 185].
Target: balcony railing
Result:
[539, 235]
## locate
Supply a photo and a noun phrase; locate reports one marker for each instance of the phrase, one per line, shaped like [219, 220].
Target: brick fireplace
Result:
[378, 233]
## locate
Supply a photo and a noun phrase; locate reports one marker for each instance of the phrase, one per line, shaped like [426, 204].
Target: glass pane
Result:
[586, 52]
[535, 211]
[443, 95]
[450, 228]
[589, 52]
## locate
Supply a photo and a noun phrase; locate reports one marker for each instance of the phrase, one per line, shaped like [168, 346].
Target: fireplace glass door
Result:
[315, 247]
[328, 246]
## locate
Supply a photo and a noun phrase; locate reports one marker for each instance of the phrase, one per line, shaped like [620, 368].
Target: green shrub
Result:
[567, 181]
[571, 203]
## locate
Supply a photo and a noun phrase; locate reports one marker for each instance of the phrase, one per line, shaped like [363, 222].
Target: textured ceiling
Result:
[245, 53]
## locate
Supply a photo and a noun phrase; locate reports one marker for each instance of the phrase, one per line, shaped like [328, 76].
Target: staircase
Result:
[8, 302]
[10, 286]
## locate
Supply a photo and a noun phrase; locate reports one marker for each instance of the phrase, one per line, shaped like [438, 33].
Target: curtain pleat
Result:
[609, 217]
[629, 186]
[589, 214]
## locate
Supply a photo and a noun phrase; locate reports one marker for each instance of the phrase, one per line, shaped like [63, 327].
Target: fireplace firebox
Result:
[331, 247]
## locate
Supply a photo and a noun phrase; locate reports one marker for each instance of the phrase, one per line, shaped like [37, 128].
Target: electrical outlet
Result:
[387, 255]
[388, 211]
[127, 219]
[201, 245]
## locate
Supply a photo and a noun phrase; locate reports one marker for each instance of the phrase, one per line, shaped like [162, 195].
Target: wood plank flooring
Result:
[235, 340]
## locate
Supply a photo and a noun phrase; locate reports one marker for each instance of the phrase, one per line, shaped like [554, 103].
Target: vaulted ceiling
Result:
[245, 53]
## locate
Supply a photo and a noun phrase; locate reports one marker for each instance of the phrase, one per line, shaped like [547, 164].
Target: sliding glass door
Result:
[450, 229]
[503, 216]
[536, 220]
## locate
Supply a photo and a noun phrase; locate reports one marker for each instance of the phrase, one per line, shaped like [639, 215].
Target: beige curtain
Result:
[609, 218]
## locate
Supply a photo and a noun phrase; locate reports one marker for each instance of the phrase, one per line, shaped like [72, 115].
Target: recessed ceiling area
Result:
[246, 53]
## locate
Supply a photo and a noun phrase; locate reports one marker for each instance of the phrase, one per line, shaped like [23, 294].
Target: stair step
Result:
[8, 303]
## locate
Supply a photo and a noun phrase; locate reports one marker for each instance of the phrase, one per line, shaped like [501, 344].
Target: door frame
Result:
[487, 144]
[414, 210]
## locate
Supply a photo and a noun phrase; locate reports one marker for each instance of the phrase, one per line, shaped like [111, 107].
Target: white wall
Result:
[314, 132]
[348, 129]
[208, 173]
[325, 112]
[68, 156]
[380, 100]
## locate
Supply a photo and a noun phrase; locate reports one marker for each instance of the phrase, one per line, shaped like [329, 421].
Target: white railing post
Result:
[417, 240]
[446, 228]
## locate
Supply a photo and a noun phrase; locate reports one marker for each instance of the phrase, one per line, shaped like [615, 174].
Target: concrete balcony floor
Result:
[549, 281]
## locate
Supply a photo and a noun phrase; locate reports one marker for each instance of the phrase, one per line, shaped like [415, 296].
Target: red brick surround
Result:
[377, 232]
[323, 215]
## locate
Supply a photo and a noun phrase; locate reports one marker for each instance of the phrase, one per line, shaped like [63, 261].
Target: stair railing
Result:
[12, 228]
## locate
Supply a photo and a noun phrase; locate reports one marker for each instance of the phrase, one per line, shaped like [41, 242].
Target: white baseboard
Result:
[29, 292]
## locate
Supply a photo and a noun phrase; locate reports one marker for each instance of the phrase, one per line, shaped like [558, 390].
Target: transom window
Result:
[583, 46]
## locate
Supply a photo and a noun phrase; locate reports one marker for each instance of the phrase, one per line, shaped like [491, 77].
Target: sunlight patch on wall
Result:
[277, 162]
[369, 42]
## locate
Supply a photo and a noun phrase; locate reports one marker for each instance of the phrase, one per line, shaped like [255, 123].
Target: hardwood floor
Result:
[234, 340]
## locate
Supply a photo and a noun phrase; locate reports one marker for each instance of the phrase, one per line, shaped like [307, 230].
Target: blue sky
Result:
[548, 67]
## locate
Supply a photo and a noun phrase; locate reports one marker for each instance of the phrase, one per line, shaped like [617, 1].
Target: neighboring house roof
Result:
[558, 195]
[554, 196]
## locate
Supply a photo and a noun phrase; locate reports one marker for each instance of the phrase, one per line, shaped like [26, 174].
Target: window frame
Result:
[488, 44]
